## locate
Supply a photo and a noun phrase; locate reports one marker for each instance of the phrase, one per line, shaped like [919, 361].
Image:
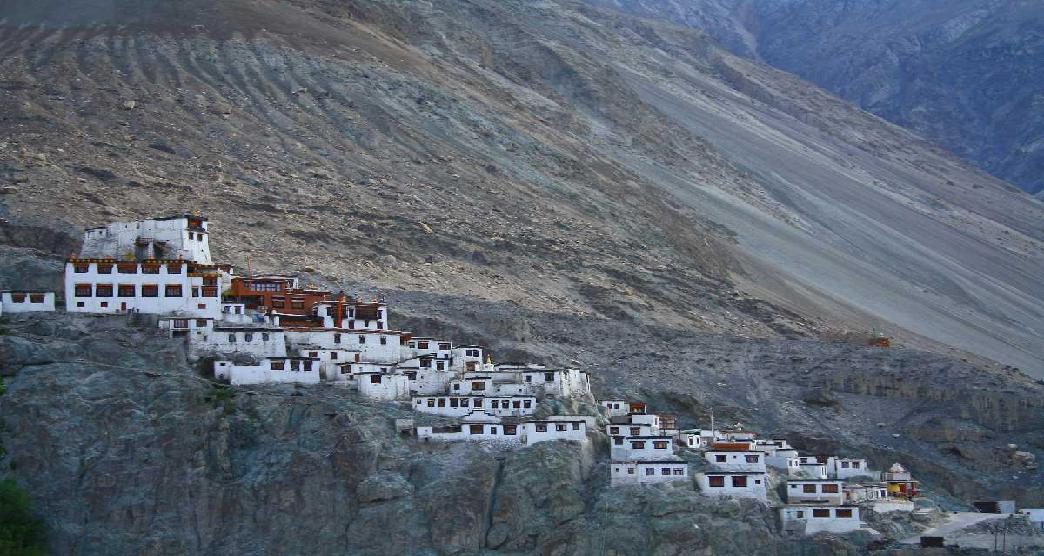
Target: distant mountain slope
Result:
[963, 73]
[555, 155]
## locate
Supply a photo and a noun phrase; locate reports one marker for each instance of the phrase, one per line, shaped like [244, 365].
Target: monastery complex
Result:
[267, 328]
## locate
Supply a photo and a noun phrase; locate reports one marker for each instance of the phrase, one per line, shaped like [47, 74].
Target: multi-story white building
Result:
[824, 492]
[269, 370]
[459, 406]
[735, 460]
[484, 427]
[378, 385]
[255, 341]
[176, 237]
[153, 286]
[846, 468]
[809, 519]
[647, 472]
[647, 448]
[739, 484]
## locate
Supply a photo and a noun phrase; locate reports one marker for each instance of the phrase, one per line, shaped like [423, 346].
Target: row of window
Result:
[147, 290]
[649, 471]
[183, 324]
[844, 513]
[749, 458]
[738, 481]
[633, 431]
[479, 402]
[248, 337]
[362, 339]
[828, 488]
[295, 364]
[32, 297]
[128, 268]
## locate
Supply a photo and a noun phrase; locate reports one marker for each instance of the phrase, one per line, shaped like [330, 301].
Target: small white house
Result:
[738, 484]
[736, 460]
[846, 468]
[301, 370]
[825, 492]
[647, 472]
[26, 302]
[614, 408]
[642, 448]
[631, 429]
[458, 406]
[330, 361]
[691, 439]
[483, 427]
[181, 236]
[259, 342]
[383, 386]
[784, 460]
[858, 493]
[182, 326]
[812, 519]
[560, 428]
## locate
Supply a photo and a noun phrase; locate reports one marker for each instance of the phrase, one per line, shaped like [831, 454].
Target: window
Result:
[172, 290]
[210, 280]
[424, 363]
[126, 290]
[337, 338]
[720, 458]
[480, 401]
[679, 471]
[79, 304]
[104, 268]
[510, 429]
[201, 323]
[638, 445]
[541, 427]
[576, 426]
[18, 297]
[844, 513]
[549, 377]
[855, 465]
[39, 297]
[442, 402]
[716, 481]
[195, 292]
[149, 290]
[297, 304]
[665, 471]
[375, 379]
[660, 444]
[635, 431]
[830, 489]
[384, 340]
[800, 514]
[127, 268]
[464, 402]
[529, 378]
[560, 428]
[739, 481]
[527, 404]
[618, 440]
[150, 269]
[471, 353]
[81, 268]
[101, 290]
[278, 364]
[201, 305]
[808, 489]
[210, 291]
[844, 465]
[495, 404]
[248, 337]
[82, 290]
[265, 336]
[180, 323]
[422, 345]
[478, 385]
[454, 402]
[440, 365]
[104, 304]
[277, 303]
[231, 338]
[476, 429]
[820, 512]
[173, 268]
[650, 471]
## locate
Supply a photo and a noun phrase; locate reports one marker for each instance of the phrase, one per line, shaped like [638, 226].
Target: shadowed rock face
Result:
[960, 73]
[569, 159]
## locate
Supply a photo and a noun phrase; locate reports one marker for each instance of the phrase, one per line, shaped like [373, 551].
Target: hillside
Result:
[556, 155]
[960, 73]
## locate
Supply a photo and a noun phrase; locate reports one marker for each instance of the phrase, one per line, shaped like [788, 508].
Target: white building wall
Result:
[458, 406]
[647, 472]
[796, 492]
[736, 461]
[371, 349]
[634, 429]
[118, 240]
[259, 342]
[819, 519]
[652, 448]
[266, 372]
[384, 386]
[534, 432]
[845, 468]
[615, 408]
[185, 303]
[690, 439]
[756, 485]
[26, 302]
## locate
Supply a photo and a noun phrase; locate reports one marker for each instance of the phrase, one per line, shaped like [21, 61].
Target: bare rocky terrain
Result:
[560, 182]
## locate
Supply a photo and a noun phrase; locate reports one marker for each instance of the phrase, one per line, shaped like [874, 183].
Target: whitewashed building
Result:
[175, 237]
[846, 468]
[383, 386]
[330, 361]
[736, 460]
[270, 370]
[373, 346]
[255, 341]
[153, 286]
[459, 406]
[647, 448]
[647, 472]
[614, 408]
[812, 519]
[26, 302]
[738, 484]
[183, 326]
[484, 427]
[856, 493]
[824, 492]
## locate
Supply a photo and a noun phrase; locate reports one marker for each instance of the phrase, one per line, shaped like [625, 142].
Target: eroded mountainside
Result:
[963, 73]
